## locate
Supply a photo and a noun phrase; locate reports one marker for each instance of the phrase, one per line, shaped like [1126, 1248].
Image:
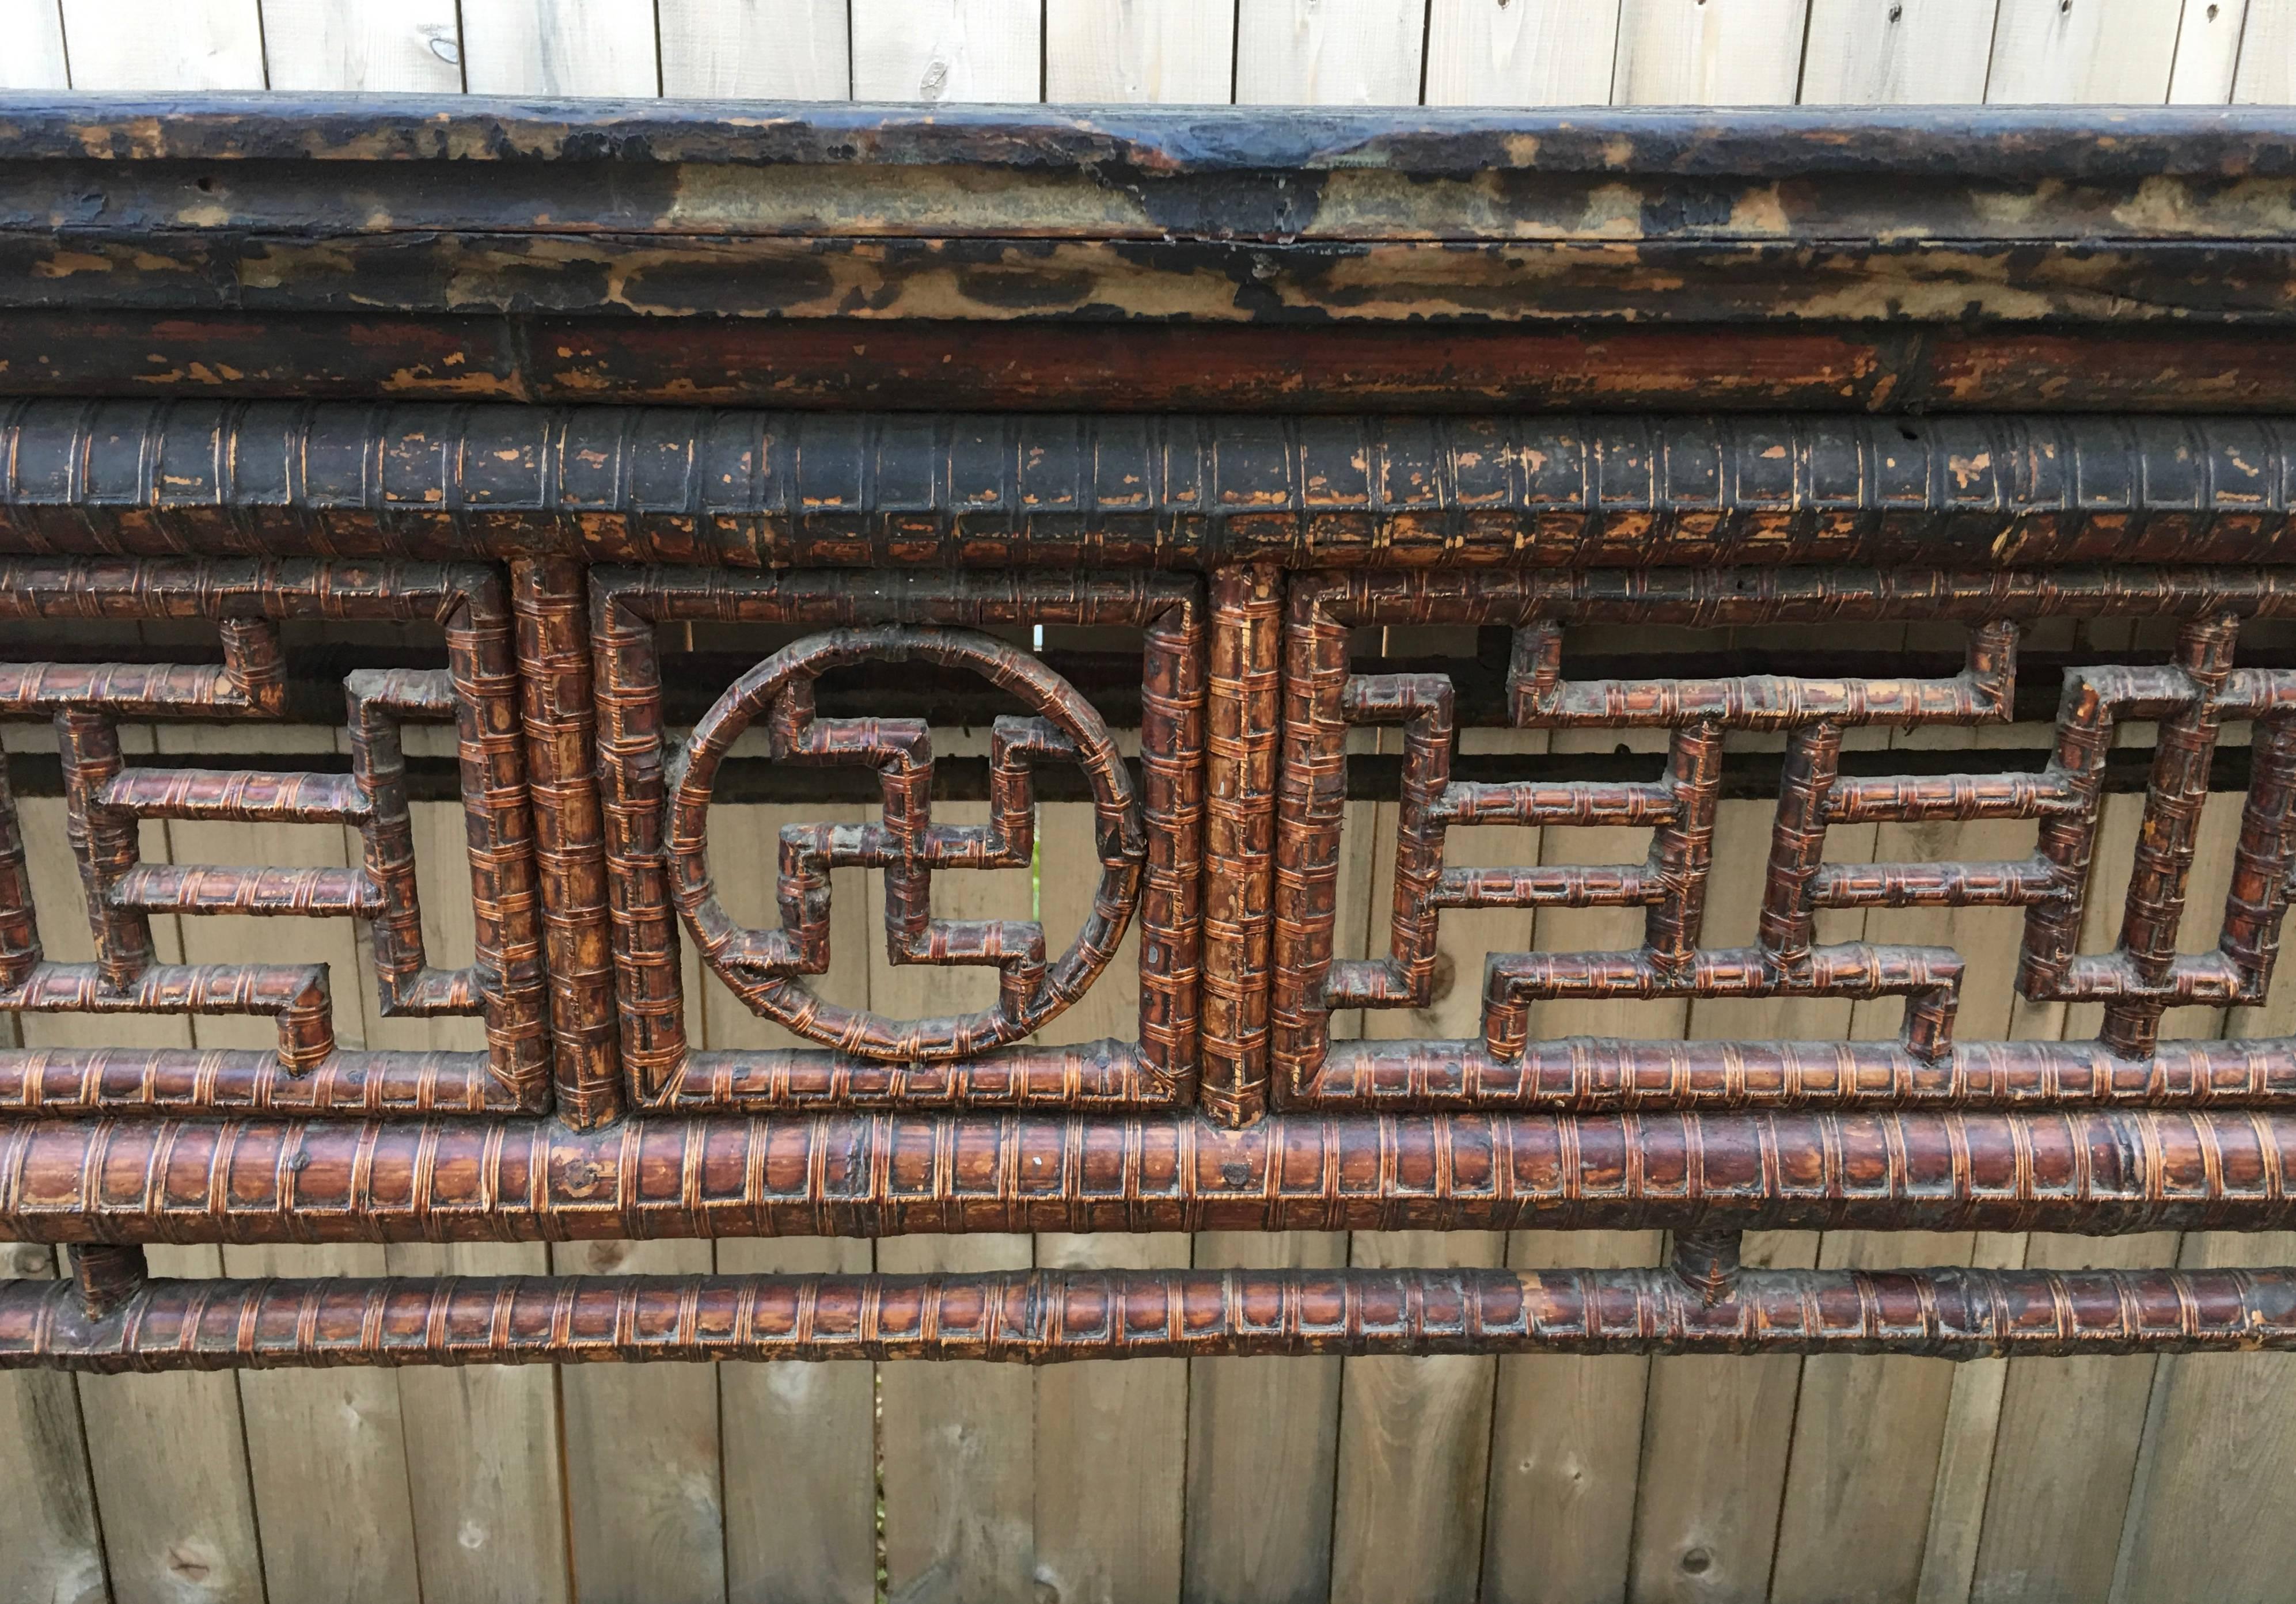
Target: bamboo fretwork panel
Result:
[591, 1114]
[2189, 698]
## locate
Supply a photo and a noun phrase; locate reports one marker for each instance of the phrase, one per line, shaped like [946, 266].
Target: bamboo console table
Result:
[542, 386]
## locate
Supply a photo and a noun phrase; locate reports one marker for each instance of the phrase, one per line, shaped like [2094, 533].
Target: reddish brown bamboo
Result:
[1136, 265]
[1239, 780]
[550, 597]
[186, 1080]
[1049, 1317]
[1149, 848]
[764, 968]
[2145, 975]
[2096, 1170]
[1090, 1077]
[20, 935]
[106, 799]
[1584, 1074]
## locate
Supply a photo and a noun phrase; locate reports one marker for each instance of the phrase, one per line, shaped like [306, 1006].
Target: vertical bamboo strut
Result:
[551, 598]
[1239, 837]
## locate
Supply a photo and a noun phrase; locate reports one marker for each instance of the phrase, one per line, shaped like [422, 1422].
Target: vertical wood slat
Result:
[1263, 1449]
[1414, 1449]
[947, 50]
[579, 47]
[1872, 1434]
[2065, 1454]
[1110, 1450]
[1566, 1432]
[49, 1536]
[325, 1450]
[32, 45]
[1416, 1435]
[1906, 53]
[1867, 1431]
[2212, 36]
[1529, 52]
[168, 1460]
[645, 1503]
[2265, 74]
[800, 1445]
[164, 45]
[1108, 1524]
[1964, 1460]
[2058, 1483]
[486, 1473]
[2203, 1520]
[2208, 1517]
[959, 1439]
[1566, 1448]
[798, 1440]
[1177, 52]
[1708, 53]
[1329, 52]
[1717, 1433]
[326, 1454]
[959, 1452]
[373, 46]
[2118, 52]
[756, 49]
[1264, 1433]
[167, 1455]
[483, 1464]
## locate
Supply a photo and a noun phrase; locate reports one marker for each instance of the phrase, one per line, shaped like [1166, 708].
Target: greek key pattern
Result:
[107, 799]
[2145, 973]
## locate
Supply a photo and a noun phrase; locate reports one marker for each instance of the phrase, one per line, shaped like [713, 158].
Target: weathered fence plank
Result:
[48, 1528]
[176, 44]
[2100, 51]
[947, 50]
[1101, 52]
[1529, 52]
[413, 47]
[559, 47]
[1329, 52]
[1708, 53]
[1907, 53]
[756, 49]
[32, 45]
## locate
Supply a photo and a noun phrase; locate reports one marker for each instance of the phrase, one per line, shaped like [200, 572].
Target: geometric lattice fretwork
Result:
[107, 799]
[2188, 698]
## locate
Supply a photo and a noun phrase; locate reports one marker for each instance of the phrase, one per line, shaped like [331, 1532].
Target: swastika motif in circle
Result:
[763, 967]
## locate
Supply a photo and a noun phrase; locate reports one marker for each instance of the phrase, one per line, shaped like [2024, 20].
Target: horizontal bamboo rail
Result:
[753, 488]
[2097, 1171]
[1047, 1317]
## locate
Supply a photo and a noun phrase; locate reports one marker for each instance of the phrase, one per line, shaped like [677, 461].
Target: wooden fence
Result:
[1545, 1478]
[1264, 51]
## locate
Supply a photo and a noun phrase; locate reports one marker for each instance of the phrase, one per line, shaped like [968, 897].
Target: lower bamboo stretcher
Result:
[2095, 1170]
[1043, 1316]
